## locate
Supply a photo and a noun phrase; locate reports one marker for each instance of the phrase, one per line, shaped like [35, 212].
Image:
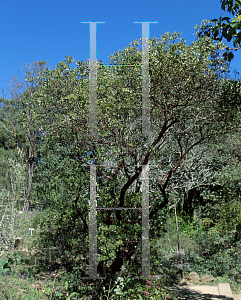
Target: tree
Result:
[225, 27]
[11, 139]
[24, 135]
[189, 106]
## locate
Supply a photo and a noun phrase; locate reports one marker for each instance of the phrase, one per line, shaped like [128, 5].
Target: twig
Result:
[6, 128]
[110, 290]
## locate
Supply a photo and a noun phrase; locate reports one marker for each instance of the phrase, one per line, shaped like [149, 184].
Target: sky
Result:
[50, 30]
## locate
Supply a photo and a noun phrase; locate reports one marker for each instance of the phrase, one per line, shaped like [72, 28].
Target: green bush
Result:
[62, 230]
[129, 288]
[218, 257]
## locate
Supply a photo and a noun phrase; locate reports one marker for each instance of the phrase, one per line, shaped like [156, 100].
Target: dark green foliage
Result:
[218, 256]
[225, 27]
[68, 238]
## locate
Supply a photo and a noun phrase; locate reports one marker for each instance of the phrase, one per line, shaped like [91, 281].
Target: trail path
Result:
[204, 292]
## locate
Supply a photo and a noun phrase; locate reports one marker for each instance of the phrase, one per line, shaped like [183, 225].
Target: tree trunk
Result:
[30, 171]
[178, 240]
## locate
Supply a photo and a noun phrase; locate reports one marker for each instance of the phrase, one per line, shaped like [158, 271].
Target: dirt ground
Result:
[199, 292]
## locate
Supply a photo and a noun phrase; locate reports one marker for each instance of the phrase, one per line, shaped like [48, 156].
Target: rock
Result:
[206, 278]
[159, 270]
[193, 277]
[178, 256]
[17, 243]
[179, 275]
